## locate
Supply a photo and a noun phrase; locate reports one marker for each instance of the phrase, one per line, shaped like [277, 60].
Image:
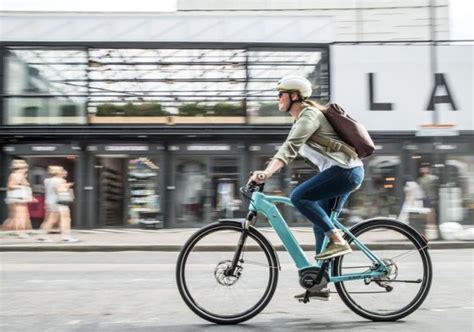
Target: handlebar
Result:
[252, 186]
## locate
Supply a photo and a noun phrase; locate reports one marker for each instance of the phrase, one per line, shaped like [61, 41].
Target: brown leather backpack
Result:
[349, 130]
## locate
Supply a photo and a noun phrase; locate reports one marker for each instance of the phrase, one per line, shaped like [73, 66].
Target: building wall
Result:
[354, 20]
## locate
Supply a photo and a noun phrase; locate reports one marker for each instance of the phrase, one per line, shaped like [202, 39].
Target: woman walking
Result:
[58, 197]
[18, 196]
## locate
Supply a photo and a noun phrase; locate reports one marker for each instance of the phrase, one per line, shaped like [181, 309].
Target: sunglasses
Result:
[281, 94]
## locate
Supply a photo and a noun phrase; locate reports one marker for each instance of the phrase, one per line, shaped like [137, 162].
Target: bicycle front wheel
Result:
[407, 281]
[206, 283]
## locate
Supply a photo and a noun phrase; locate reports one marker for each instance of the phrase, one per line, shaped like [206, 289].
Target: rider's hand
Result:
[259, 177]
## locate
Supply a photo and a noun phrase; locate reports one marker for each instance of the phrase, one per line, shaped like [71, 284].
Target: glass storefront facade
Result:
[51, 86]
[164, 137]
[205, 182]
[187, 185]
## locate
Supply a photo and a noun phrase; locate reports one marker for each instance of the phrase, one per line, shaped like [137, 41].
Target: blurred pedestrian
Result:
[429, 184]
[413, 199]
[59, 195]
[19, 194]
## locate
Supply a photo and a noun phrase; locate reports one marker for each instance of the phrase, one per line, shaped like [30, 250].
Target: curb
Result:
[435, 245]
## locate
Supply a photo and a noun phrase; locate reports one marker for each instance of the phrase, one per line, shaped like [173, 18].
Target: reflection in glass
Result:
[383, 199]
[457, 193]
[267, 67]
[144, 207]
[190, 191]
[40, 86]
[225, 184]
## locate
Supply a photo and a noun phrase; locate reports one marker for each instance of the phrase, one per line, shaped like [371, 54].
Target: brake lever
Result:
[244, 190]
[251, 187]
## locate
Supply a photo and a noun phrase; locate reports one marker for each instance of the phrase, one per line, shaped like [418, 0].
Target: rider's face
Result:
[283, 101]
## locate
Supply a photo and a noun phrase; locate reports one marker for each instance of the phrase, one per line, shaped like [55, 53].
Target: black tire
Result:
[184, 276]
[419, 265]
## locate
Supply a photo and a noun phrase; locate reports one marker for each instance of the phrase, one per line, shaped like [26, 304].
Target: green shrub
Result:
[192, 109]
[219, 109]
[145, 109]
[110, 110]
[130, 109]
[269, 109]
[69, 110]
[225, 109]
[31, 111]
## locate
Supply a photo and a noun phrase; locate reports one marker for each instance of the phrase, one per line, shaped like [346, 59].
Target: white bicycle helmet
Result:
[295, 83]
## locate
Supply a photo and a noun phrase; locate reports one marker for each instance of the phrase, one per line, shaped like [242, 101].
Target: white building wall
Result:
[181, 27]
[402, 77]
[355, 20]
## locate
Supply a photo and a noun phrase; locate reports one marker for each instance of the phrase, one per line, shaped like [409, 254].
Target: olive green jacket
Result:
[311, 122]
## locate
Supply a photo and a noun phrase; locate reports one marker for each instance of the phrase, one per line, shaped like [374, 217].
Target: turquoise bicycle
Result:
[386, 277]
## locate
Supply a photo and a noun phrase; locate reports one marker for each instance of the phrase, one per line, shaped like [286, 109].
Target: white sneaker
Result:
[70, 240]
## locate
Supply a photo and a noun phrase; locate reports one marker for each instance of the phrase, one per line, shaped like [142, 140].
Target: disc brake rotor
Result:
[222, 276]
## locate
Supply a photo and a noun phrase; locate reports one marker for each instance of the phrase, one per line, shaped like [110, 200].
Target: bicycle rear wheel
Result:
[408, 279]
[204, 282]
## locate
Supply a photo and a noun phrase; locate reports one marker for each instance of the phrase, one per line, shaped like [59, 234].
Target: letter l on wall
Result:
[373, 105]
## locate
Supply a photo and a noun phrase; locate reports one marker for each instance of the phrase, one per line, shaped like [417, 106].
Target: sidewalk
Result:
[172, 240]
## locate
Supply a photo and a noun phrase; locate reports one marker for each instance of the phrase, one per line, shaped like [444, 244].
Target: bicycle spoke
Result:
[409, 252]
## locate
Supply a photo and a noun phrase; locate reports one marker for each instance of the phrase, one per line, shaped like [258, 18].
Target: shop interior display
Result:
[144, 206]
[111, 195]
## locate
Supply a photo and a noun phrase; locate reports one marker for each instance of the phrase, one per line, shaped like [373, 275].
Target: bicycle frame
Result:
[265, 205]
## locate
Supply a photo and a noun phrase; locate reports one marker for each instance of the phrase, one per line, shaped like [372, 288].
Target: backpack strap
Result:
[333, 145]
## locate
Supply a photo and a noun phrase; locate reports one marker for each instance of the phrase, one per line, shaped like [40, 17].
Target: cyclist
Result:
[339, 175]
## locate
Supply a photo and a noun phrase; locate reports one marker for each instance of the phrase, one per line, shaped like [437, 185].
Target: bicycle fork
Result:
[240, 245]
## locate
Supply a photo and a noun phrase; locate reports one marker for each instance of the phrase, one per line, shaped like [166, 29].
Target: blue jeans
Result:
[315, 197]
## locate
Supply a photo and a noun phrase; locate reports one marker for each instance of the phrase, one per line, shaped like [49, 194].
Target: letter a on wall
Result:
[445, 99]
